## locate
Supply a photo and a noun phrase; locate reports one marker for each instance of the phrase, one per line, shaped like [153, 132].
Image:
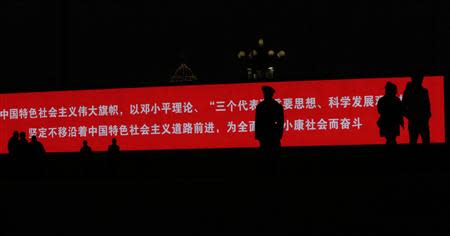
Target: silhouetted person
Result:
[113, 149]
[113, 157]
[36, 148]
[13, 144]
[85, 159]
[417, 109]
[86, 151]
[269, 122]
[391, 115]
[37, 153]
[23, 146]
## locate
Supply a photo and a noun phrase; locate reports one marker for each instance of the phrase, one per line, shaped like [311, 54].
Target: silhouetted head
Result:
[23, 135]
[390, 89]
[268, 92]
[114, 141]
[33, 138]
[16, 134]
[417, 79]
[85, 143]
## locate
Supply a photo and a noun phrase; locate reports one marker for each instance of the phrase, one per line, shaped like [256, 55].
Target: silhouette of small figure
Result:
[13, 144]
[269, 122]
[391, 115]
[36, 148]
[417, 109]
[86, 150]
[113, 149]
[23, 146]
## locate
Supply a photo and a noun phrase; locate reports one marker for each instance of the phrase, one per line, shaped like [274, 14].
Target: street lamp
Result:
[261, 62]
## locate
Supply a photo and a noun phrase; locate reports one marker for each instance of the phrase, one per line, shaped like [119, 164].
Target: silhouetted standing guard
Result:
[391, 115]
[269, 126]
[86, 151]
[23, 149]
[85, 158]
[113, 149]
[113, 157]
[37, 154]
[36, 148]
[269, 122]
[13, 144]
[417, 109]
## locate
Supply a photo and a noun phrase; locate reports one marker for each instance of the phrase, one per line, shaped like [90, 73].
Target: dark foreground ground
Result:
[311, 191]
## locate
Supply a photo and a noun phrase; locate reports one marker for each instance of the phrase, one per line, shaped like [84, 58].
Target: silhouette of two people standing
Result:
[415, 106]
[113, 149]
[269, 122]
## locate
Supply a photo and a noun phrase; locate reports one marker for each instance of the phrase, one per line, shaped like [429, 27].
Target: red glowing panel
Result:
[326, 112]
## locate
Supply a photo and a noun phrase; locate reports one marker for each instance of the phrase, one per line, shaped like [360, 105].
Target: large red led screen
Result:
[326, 112]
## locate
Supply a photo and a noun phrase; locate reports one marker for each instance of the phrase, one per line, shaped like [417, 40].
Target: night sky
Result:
[79, 44]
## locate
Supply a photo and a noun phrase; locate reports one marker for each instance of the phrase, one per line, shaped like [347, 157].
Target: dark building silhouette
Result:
[13, 144]
[269, 122]
[391, 116]
[417, 109]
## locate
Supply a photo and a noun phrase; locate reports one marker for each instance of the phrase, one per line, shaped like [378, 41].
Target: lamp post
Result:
[261, 63]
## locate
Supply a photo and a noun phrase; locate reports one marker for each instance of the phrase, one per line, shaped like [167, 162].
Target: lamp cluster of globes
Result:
[253, 53]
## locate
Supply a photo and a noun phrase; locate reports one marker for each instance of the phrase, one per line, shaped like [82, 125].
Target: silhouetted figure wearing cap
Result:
[36, 148]
[269, 122]
[13, 144]
[113, 149]
[417, 109]
[391, 115]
